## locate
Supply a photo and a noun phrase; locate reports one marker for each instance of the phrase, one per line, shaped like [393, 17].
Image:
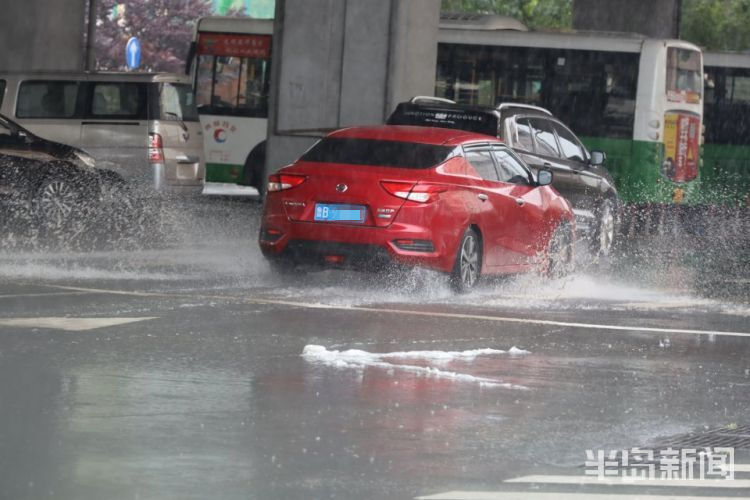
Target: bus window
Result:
[592, 91]
[684, 79]
[233, 73]
[726, 105]
[204, 82]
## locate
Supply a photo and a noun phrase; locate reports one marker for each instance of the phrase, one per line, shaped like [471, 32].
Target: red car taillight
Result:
[421, 193]
[155, 149]
[280, 182]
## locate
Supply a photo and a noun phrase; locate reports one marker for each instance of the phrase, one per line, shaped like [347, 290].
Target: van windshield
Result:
[177, 102]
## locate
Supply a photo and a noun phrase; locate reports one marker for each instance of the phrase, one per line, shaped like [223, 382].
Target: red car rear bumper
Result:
[354, 245]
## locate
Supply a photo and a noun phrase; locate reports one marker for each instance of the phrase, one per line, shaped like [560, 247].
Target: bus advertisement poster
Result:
[681, 143]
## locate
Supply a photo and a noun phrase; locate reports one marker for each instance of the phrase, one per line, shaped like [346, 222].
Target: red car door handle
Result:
[520, 202]
[482, 197]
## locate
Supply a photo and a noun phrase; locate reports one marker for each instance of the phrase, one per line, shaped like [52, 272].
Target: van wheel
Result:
[468, 266]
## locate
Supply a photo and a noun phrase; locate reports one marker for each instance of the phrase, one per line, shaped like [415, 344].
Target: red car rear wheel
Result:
[468, 266]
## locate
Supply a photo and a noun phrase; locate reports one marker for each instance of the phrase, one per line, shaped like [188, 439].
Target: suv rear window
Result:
[377, 153]
[477, 121]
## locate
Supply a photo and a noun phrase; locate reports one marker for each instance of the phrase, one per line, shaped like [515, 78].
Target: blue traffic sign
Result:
[133, 53]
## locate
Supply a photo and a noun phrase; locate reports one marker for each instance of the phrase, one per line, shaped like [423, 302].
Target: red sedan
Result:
[448, 200]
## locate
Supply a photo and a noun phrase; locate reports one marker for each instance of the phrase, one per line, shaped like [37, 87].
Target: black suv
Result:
[50, 179]
[544, 143]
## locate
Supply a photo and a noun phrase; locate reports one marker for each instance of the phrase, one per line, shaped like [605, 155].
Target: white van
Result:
[144, 126]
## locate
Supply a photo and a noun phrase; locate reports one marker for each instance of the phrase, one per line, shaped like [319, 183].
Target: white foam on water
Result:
[359, 360]
[66, 271]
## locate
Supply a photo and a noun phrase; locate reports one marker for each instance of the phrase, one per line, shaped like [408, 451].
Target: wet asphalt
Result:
[190, 371]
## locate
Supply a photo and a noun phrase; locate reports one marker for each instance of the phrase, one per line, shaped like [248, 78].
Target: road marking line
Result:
[522, 495]
[620, 481]
[117, 292]
[500, 319]
[685, 304]
[41, 294]
[411, 312]
[69, 324]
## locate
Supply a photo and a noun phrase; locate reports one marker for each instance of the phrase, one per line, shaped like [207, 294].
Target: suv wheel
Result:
[604, 236]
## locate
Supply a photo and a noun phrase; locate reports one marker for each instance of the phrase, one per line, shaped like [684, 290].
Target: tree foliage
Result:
[536, 14]
[713, 24]
[717, 24]
[164, 28]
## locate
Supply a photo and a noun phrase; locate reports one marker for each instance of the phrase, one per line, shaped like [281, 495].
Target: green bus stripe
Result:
[224, 172]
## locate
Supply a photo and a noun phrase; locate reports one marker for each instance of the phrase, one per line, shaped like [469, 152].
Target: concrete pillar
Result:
[653, 18]
[41, 34]
[345, 62]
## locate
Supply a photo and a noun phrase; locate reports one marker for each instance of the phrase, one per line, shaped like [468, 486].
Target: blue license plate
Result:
[336, 213]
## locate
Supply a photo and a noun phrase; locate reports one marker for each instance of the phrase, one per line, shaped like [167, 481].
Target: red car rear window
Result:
[377, 153]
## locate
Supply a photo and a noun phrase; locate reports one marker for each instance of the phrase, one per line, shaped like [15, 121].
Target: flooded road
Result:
[191, 371]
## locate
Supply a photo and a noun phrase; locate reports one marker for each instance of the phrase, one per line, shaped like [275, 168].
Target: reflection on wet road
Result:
[193, 372]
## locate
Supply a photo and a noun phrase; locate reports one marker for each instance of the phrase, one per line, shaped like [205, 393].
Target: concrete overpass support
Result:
[345, 62]
[654, 18]
[41, 34]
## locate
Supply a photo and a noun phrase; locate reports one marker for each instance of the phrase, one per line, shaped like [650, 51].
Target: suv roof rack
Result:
[419, 98]
[507, 105]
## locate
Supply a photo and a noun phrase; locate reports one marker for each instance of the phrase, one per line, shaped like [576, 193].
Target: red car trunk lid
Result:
[348, 187]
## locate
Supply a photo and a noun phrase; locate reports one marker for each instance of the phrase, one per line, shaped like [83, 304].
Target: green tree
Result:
[536, 14]
[716, 24]
[164, 27]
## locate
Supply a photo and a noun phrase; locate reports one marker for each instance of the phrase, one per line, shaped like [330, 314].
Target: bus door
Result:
[232, 87]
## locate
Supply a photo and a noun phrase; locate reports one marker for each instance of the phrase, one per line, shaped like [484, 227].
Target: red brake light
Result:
[154, 141]
[398, 189]
[155, 151]
[421, 193]
[280, 182]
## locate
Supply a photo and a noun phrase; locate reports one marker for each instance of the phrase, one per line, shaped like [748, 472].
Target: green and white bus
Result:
[638, 99]
[231, 68]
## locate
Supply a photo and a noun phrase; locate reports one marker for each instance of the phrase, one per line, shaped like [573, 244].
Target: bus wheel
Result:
[255, 165]
[603, 238]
